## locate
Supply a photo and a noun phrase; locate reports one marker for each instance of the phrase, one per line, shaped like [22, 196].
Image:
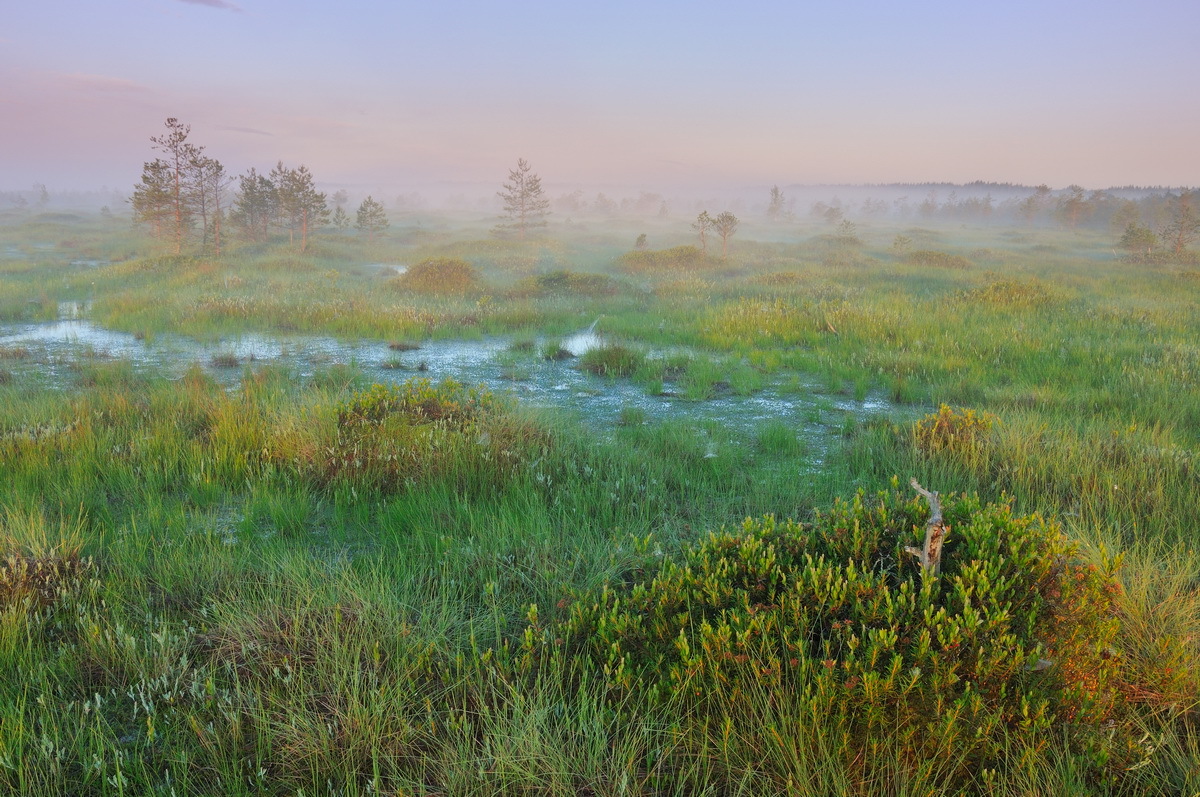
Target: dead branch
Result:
[930, 554]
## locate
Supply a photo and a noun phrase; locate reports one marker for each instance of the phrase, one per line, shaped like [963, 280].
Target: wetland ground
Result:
[278, 523]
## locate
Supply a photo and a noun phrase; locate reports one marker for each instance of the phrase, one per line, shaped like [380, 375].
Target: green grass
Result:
[299, 583]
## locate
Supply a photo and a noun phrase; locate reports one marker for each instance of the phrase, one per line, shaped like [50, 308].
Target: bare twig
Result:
[930, 554]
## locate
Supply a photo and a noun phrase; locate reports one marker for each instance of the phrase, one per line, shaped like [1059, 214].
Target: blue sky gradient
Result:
[380, 96]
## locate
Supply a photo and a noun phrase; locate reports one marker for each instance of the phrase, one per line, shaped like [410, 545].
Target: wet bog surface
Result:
[50, 353]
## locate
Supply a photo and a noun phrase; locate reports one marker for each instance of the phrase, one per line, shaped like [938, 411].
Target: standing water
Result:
[599, 402]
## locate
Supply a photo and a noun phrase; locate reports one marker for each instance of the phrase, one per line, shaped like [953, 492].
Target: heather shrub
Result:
[1008, 646]
[568, 283]
[439, 275]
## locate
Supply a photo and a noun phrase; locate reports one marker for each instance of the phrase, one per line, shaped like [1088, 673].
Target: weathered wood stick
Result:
[930, 554]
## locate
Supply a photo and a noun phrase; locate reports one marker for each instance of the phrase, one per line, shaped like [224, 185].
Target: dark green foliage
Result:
[1010, 644]
[1138, 239]
[371, 219]
[568, 283]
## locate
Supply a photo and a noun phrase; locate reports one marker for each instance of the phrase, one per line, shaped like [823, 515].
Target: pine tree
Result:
[167, 195]
[775, 208]
[371, 218]
[703, 225]
[210, 183]
[726, 225]
[300, 207]
[340, 220]
[254, 206]
[525, 206]
[151, 200]
[180, 156]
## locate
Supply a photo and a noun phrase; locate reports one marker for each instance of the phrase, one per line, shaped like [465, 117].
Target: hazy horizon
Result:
[682, 98]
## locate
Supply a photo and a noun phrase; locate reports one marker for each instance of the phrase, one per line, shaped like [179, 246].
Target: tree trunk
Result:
[178, 210]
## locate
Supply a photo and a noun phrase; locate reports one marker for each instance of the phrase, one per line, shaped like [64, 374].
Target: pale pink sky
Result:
[660, 95]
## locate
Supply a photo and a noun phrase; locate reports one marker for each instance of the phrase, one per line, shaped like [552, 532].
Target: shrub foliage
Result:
[439, 275]
[1009, 644]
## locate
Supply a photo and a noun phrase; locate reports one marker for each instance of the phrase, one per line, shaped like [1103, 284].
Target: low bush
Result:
[1009, 646]
[568, 283]
[673, 260]
[390, 437]
[936, 259]
[953, 430]
[448, 276]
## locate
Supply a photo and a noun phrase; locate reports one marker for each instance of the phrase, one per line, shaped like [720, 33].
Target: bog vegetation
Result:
[235, 577]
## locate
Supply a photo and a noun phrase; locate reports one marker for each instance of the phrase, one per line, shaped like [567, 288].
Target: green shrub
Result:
[568, 283]
[675, 259]
[416, 401]
[391, 437]
[930, 257]
[952, 430]
[1009, 645]
[439, 275]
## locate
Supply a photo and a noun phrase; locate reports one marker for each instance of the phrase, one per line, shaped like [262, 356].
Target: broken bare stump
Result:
[930, 554]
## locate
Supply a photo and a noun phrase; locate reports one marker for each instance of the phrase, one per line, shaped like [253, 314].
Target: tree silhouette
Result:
[726, 225]
[703, 225]
[525, 206]
[371, 218]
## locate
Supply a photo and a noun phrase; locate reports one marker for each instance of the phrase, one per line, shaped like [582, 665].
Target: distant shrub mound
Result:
[1162, 257]
[936, 259]
[782, 279]
[439, 275]
[835, 624]
[675, 259]
[1010, 293]
[568, 283]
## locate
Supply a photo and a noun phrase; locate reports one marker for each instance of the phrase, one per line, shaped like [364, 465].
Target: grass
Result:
[296, 582]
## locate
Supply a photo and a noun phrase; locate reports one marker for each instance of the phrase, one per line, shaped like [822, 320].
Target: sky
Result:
[388, 96]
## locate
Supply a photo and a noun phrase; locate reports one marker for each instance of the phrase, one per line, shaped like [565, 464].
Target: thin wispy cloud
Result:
[222, 4]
